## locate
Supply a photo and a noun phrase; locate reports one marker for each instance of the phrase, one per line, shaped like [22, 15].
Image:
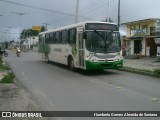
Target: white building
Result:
[31, 43]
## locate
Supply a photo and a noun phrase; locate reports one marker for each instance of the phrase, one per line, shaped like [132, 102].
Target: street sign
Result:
[36, 28]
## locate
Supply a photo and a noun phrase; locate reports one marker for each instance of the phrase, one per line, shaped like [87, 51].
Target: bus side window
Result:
[51, 39]
[64, 37]
[40, 39]
[58, 37]
[47, 38]
[54, 38]
[72, 36]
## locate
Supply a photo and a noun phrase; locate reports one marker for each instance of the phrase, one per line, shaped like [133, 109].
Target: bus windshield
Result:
[103, 41]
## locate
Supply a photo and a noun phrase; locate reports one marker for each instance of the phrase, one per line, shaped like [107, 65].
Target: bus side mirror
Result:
[84, 35]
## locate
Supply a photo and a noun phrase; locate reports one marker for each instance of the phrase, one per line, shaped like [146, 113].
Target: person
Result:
[18, 51]
[18, 48]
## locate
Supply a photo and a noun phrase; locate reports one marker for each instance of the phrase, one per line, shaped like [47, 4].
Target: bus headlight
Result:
[118, 58]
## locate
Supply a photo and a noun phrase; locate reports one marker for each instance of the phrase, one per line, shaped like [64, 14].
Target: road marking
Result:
[94, 80]
[155, 99]
[45, 97]
[119, 87]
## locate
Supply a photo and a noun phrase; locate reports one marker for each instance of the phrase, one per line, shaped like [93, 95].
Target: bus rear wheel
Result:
[71, 64]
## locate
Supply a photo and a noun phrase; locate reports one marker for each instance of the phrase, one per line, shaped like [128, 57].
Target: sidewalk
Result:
[146, 65]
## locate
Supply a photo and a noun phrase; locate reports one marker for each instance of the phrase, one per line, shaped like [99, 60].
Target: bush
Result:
[157, 71]
[8, 78]
[3, 67]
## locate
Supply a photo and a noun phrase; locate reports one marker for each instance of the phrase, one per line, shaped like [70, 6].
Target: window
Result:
[40, 39]
[64, 36]
[132, 30]
[51, 38]
[72, 36]
[145, 29]
[58, 37]
[47, 38]
[54, 39]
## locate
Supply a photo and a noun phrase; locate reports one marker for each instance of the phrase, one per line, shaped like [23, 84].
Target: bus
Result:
[90, 45]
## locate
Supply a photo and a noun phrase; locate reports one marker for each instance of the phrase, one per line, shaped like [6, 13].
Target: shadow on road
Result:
[84, 72]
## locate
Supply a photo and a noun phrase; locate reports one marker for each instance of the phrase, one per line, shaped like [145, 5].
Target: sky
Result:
[57, 13]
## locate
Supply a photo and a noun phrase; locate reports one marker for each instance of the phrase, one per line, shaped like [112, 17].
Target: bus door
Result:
[42, 46]
[80, 48]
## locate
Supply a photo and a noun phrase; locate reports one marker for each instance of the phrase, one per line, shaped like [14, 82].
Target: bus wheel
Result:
[71, 64]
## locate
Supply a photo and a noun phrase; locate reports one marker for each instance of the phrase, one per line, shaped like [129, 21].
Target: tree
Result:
[12, 41]
[42, 29]
[6, 44]
[29, 32]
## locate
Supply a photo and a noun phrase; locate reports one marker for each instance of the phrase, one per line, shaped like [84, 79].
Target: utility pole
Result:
[77, 8]
[1, 9]
[9, 27]
[20, 18]
[108, 10]
[118, 13]
[46, 24]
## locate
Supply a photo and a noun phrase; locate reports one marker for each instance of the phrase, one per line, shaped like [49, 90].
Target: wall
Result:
[138, 25]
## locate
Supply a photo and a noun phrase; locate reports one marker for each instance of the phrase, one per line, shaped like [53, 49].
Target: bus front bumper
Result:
[103, 65]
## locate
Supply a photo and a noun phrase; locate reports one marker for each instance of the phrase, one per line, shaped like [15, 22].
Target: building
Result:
[143, 37]
[30, 43]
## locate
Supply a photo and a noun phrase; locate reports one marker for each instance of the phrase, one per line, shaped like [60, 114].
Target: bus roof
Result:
[74, 25]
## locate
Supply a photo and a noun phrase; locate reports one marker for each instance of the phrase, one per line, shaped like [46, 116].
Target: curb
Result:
[141, 71]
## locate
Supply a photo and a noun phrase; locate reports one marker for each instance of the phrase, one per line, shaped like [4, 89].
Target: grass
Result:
[9, 78]
[155, 73]
[2, 66]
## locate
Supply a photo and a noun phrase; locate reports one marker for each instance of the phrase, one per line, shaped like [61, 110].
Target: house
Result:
[143, 37]
[30, 43]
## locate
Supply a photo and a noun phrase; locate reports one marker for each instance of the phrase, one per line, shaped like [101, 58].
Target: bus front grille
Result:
[106, 65]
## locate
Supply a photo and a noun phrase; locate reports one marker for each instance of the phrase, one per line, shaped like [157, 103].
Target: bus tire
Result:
[71, 64]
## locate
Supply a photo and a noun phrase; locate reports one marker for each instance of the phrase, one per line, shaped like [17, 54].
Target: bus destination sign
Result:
[101, 26]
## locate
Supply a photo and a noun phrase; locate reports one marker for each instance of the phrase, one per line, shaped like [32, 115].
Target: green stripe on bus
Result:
[103, 65]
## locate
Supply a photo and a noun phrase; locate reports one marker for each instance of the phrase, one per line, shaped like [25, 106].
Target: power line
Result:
[39, 8]
[43, 9]
[96, 5]
[91, 7]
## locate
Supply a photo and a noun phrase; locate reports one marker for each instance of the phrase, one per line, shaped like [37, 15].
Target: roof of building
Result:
[143, 20]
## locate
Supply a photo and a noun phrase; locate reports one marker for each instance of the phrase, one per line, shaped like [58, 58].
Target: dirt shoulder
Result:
[13, 97]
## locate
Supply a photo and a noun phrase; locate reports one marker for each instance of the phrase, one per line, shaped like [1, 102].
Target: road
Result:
[58, 89]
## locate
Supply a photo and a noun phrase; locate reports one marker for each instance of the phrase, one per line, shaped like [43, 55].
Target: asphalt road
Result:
[56, 88]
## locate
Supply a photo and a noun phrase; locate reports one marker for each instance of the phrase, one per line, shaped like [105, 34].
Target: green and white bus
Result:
[87, 45]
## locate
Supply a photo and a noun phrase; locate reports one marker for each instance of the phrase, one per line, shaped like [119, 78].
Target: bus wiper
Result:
[99, 34]
[104, 39]
[108, 35]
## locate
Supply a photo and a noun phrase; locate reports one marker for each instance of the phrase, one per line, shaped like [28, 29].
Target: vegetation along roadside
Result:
[6, 75]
